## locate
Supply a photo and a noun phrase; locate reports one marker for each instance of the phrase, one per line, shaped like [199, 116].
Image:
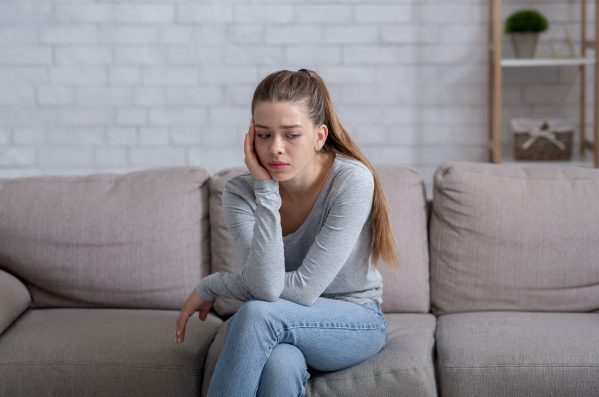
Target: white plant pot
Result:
[525, 44]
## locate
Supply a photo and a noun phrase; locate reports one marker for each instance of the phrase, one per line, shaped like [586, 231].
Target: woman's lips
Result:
[278, 166]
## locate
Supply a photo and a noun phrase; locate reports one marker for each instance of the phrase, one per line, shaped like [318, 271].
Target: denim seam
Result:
[319, 326]
[278, 333]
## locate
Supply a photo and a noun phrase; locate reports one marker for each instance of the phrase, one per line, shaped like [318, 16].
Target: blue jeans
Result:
[269, 345]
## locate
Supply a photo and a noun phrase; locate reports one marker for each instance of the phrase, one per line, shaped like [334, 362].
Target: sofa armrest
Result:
[14, 299]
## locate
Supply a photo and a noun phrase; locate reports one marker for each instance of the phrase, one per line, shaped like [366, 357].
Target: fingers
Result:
[250, 138]
[248, 147]
[203, 314]
[193, 304]
[251, 160]
[205, 309]
[181, 323]
[247, 143]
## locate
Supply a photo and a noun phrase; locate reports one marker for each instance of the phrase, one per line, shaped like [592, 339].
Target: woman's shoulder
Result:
[349, 171]
[351, 179]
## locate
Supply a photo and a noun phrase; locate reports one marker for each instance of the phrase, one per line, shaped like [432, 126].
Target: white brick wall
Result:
[116, 85]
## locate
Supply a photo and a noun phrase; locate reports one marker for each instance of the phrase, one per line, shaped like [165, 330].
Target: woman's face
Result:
[286, 140]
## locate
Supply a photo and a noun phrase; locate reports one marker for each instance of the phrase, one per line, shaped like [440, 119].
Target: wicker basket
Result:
[555, 143]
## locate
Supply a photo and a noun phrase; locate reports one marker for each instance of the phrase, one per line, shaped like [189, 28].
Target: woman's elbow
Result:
[262, 289]
[269, 295]
[307, 300]
[269, 292]
[300, 298]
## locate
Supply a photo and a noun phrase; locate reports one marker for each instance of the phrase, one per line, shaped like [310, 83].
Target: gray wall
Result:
[96, 86]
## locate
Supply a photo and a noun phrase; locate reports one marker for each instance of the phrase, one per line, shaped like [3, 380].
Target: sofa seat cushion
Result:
[403, 368]
[103, 352]
[518, 354]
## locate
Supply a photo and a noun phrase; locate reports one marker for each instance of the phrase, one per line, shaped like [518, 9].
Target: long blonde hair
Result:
[307, 87]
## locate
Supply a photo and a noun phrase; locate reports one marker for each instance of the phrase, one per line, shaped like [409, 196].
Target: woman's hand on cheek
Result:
[251, 159]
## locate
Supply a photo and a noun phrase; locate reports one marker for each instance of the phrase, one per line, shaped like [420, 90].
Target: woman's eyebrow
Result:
[283, 126]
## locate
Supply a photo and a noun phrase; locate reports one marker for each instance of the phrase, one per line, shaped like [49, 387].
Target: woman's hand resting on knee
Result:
[194, 303]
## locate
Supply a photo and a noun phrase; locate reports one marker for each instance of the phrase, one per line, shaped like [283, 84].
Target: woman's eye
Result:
[262, 136]
[293, 136]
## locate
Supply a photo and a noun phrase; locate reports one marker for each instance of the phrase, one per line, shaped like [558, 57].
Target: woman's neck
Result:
[297, 189]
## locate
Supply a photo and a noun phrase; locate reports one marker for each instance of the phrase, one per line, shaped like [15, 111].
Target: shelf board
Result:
[507, 152]
[527, 62]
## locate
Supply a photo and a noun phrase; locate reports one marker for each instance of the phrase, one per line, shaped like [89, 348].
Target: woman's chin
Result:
[280, 176]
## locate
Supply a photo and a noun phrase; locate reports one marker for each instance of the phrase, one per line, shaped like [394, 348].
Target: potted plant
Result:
[524, 27]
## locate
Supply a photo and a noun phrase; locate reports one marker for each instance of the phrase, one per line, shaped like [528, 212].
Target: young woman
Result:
[309, 221]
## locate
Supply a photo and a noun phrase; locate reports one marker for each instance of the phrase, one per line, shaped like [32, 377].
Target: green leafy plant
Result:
[526, 21]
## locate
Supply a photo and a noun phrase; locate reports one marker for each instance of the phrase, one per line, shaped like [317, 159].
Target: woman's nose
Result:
[276, 146]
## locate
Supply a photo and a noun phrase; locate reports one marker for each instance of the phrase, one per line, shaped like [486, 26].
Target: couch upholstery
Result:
[137, 240]
[102, 352]
[498, 353]
[15, 299]
[108, 261]
[511, 238]
[515, 279]
[93, 270]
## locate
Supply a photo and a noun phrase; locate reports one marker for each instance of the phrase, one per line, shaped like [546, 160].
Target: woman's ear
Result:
[321, 136]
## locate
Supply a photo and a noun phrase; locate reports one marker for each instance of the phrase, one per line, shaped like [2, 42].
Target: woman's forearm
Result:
[264, 269]
[259, 245]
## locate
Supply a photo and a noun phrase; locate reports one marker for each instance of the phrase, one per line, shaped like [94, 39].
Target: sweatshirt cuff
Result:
[266, 185]
[203, 292]
[267, 193]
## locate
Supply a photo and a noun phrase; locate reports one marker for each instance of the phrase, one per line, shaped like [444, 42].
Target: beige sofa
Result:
[93, 270]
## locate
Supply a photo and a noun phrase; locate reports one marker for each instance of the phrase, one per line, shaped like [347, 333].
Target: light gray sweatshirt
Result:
[328, 256]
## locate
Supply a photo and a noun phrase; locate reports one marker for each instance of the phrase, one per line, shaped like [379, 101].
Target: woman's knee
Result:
[253, 310]
[284, 370]
[286, 358]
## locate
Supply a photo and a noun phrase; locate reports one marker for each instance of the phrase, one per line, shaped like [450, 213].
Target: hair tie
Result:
[305, 71]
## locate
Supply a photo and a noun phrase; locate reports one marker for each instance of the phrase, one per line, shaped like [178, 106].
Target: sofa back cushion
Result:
[507, 237]
[405, 290]
[137, 240]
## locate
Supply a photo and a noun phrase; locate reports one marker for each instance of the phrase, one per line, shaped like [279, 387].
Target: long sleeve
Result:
[259, 243]
[334, 242]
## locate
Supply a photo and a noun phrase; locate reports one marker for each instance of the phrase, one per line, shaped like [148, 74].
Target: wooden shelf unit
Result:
[497, 63]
